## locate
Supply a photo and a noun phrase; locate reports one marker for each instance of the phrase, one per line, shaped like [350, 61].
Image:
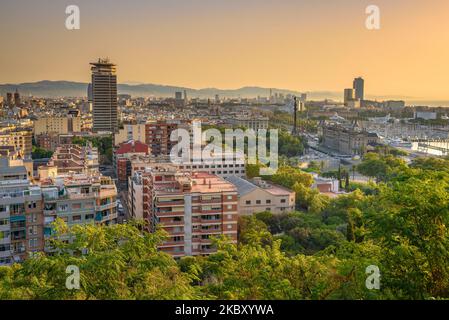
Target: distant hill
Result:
[55, 89]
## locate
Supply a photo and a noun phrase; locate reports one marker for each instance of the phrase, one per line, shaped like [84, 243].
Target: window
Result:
[4, 222]
[268, 201]
[229, 207]
[229, 216]
[76, 218]
[76, 206]
[33, 243]
[89, 216]
[268, 209]
[229, 226]
[248, 202]
[229, 197]
[258, 201]
[283, 200]
[63, 207]
[32, 230]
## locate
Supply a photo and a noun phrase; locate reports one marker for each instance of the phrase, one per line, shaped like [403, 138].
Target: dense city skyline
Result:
[306, 46]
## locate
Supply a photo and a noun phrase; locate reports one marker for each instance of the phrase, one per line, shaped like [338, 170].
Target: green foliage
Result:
[431, 164]
[104, 145]
[382, 168]
[115, 262]
[41, 153]
[290, 146]
[288, 176]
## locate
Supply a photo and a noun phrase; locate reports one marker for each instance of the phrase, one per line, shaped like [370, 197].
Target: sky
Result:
[302, 45]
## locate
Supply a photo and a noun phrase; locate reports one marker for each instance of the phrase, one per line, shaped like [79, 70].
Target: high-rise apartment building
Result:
[191, 207]
[57, 124]
[359, 88]
[157, 136]
[21, 219]
[104, 95]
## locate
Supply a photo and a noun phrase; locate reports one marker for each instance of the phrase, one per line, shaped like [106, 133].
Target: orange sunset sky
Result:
[299, 45]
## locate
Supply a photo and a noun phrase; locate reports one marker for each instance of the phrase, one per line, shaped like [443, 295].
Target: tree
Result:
[41, 153]
[115, 262]
[410, 221]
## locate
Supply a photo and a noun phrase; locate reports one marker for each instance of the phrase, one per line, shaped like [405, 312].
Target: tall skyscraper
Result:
[359, 87]
[104, 95]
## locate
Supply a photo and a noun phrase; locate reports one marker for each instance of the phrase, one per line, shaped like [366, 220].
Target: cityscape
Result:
[319, 194]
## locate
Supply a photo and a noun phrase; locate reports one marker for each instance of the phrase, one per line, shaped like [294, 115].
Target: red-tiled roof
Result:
[132, 146]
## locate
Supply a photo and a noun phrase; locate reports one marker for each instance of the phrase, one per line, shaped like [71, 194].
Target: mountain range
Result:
[54, 89]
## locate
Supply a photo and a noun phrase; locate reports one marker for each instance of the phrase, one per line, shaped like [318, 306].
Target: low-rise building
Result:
[347, 140]
[75, 158]
[260, 196]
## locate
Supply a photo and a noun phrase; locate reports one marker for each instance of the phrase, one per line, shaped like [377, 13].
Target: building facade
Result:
[259, 196]
[104, 95]
[191, 207]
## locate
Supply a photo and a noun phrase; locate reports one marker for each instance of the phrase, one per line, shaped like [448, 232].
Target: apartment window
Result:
[283, 200]
[4, 247]
[258, 202]
[32, 205]
[32, 230]
[33, 243]
[248, 202]
[177, 239]
[89, 216]
[16, 208]
[229, 197]
[63, 207]
[229, 226]
[268, 209]
[76, 206]
[76, 218]
[229, 216]
[229, 207]
[268, 201]
[4, 222]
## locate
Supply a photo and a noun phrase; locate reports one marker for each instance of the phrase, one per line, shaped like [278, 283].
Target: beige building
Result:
[134, 132]
[21, 140]
[59, 125]
[259, 196]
